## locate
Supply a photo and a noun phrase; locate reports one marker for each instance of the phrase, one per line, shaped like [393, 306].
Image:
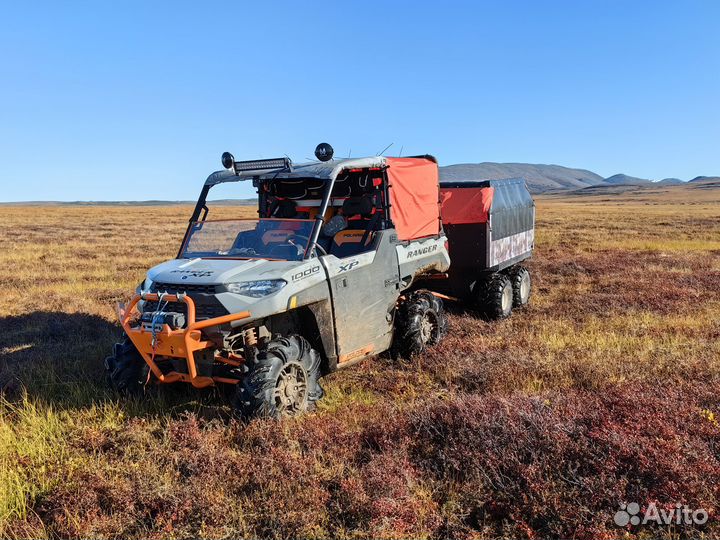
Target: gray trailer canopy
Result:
[490, 223]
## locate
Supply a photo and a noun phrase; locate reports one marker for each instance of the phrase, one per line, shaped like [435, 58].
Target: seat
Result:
[362, 217]
[261, 237]
[349, 242]
[359, 210]
[276, 236]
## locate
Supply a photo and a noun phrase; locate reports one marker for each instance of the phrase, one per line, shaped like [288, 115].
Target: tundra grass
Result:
[603, 391]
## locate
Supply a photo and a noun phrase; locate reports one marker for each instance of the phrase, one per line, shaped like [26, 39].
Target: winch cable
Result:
[162, 304]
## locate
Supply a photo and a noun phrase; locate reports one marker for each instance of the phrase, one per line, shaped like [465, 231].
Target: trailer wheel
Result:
[282, 380]
[420, 322]
[521, 284]
[494, 296]
[126, 370]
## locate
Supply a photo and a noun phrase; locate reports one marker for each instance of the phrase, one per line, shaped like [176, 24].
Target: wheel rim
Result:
[291, 389]
[428, 326]
[525, 288]
[506, 301]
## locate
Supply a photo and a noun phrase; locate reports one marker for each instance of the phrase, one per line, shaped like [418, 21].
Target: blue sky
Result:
[137, 100]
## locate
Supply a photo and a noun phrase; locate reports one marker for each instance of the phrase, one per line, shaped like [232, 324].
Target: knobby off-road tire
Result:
[521, 284]
[126, 370]
[420, 322]
[494, 296]
[282, 380]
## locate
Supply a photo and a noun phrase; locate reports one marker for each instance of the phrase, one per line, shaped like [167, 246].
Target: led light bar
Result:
[262, 164]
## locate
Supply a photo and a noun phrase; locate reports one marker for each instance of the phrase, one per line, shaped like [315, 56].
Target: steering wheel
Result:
[307, 241]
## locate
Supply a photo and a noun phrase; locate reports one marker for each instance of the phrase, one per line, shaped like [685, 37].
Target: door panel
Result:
[364, 291]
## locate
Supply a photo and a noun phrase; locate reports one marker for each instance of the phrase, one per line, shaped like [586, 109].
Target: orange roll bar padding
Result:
[181, 343]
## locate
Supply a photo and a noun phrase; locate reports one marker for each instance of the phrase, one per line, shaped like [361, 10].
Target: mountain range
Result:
[542, 178]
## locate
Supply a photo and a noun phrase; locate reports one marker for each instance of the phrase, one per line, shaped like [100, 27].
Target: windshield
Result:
[283, 239]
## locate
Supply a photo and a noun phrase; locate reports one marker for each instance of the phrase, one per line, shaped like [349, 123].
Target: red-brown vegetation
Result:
[603, 391]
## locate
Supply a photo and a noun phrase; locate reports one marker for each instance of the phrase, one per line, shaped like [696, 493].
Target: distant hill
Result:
[705, 179]
[605, 189]
[542, 178]
[671, 181]
[624, 179]
[705, 182]
[637, 192]
[539, 177]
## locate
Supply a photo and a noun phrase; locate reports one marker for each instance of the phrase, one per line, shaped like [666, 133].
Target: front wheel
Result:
[282, 380]
[126, 370]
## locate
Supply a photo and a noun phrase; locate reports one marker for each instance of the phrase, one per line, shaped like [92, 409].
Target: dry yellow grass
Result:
[626, 295]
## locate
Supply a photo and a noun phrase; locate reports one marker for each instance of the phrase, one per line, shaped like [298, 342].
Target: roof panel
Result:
[316, 169]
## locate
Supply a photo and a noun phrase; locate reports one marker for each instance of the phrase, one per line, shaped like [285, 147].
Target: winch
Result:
[159, 318]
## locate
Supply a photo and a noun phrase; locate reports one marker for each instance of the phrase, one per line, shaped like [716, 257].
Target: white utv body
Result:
[326, 276]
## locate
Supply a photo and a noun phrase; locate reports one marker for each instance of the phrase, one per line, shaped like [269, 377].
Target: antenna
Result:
[383, 150]
[401, 149]
[350, 153]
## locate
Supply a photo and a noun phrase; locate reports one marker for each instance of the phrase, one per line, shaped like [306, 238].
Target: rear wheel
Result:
[420, 322]
[126, 370]
[282, 380]
[494, 296]
[521, 284]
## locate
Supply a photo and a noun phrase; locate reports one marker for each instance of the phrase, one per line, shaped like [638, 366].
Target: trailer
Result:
[490, 227]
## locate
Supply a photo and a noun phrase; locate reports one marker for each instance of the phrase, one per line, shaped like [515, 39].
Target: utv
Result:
[347, 259]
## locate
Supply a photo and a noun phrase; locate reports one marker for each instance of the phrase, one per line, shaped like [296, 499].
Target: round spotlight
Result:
[227, 160]
[324, 152]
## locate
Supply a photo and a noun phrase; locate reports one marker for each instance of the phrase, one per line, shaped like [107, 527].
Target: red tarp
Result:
[414, 197]
[465, 205]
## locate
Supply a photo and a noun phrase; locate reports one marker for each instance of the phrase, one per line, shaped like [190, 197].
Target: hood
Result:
[218, 271]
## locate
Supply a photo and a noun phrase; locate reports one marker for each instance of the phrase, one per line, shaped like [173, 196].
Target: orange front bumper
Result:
[181, 343]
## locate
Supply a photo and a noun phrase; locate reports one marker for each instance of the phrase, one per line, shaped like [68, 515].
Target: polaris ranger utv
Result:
[348, 259]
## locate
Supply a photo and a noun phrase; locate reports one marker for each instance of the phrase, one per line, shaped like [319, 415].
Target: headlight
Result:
[144, 287]
[257, 289]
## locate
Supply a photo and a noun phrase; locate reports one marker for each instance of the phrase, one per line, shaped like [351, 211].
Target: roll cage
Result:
[269, 189]
[323, 182]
